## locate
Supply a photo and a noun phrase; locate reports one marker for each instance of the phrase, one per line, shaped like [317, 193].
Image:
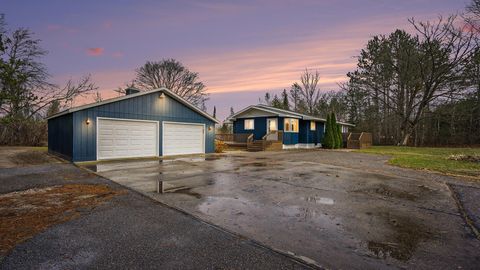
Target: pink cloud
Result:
[95, 51]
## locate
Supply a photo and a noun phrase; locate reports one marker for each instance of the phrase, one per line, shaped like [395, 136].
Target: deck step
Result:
[260, 145]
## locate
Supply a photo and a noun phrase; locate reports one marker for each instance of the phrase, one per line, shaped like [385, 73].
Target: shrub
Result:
[22, 131]
[220, 146]
[329, 139]
[339, 136]
[333, 123]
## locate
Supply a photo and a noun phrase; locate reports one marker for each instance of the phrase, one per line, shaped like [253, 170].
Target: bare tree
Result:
[24, 87]
[121, 90]
[473, 15]
[309, 90]
[171, 74]
[98, 97]
[445, 51]
[405, 75]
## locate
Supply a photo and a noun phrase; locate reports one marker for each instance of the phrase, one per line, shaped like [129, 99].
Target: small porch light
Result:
[162, 95]
[87, 121]
[209, 128]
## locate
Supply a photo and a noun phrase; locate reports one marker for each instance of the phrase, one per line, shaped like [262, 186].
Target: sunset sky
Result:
[241, 49]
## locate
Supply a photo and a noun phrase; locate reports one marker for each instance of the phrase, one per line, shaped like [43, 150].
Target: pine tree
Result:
[333, 123]
[214, 112]
[276, 102]
[340, 136]
[285, 103]
[267, 99]
[231, 111]
[329, 138]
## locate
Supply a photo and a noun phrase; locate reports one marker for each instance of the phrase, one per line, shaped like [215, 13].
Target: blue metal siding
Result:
[304, 135]
[146, 107]
[289, 138]
[60, 137]
[259, 124]
[319, 132]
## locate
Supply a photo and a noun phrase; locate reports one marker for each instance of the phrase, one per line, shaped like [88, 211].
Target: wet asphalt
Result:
[130, 231]
[332, 209]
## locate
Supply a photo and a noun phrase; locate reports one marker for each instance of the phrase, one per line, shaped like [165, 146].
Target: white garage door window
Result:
[183, 138]
[119, 138]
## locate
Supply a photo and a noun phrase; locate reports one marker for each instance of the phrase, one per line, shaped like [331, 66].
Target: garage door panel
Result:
[126, 138]
[179, 139]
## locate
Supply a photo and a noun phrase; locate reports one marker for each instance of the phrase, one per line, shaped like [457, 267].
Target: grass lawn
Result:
[434, 159]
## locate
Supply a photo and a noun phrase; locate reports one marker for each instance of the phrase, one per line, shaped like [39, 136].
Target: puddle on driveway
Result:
[319, 200]
[387, 191]
[404, 239]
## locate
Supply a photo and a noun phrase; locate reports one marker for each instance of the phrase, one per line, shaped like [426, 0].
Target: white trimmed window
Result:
[249, 124]
[312, 125]
[290, 125]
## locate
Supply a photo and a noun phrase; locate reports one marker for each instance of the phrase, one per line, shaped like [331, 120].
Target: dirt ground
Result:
[332, 209]
[12, 156]
[29, 212]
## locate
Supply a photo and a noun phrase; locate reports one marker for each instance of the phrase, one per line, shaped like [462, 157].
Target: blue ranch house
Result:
[262, 124]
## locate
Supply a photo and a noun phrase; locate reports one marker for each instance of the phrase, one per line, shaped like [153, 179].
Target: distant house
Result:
[292, 129]
[139, 124]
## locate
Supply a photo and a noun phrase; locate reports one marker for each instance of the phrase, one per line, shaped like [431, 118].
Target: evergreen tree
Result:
[328, 139]
[339, 136]
[231, 111]
[214, 112]
[276, 102]
[335, 129]
[267, 99]
[53, 108]
[285, 103]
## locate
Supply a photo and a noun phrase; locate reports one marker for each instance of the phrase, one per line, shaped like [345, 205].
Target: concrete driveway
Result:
[127, 231]
[331, 209]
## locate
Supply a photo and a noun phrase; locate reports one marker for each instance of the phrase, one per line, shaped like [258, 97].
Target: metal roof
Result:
[111, 100]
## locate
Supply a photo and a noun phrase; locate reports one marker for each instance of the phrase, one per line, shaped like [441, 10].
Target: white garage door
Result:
[126, 138]
[183, 138]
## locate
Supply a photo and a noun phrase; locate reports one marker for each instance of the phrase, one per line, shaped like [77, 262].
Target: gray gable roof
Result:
[111, 100]
[282, 113]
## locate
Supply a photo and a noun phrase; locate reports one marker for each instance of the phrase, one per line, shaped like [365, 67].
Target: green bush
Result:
[339, 136]
[329, 137]
[333, 138]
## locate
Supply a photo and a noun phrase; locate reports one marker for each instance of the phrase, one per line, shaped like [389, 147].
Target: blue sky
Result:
[240, 48]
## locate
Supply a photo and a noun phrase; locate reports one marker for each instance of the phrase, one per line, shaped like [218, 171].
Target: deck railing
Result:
[229, 137]
[276, 135]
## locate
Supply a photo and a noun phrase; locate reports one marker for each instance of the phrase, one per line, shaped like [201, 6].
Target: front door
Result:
[272, 124]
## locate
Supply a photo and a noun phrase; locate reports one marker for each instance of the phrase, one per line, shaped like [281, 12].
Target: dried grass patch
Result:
[26, 213]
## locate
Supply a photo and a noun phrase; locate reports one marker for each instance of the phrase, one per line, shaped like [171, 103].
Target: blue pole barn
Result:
[139, 124]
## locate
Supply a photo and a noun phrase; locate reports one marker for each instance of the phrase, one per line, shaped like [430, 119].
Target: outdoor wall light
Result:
[87, 121]
[210, 128]
[162, 95]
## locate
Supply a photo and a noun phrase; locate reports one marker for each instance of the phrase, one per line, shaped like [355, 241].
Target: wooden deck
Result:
[270, 142]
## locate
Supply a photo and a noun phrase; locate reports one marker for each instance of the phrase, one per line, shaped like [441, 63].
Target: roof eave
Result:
[163, 89]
